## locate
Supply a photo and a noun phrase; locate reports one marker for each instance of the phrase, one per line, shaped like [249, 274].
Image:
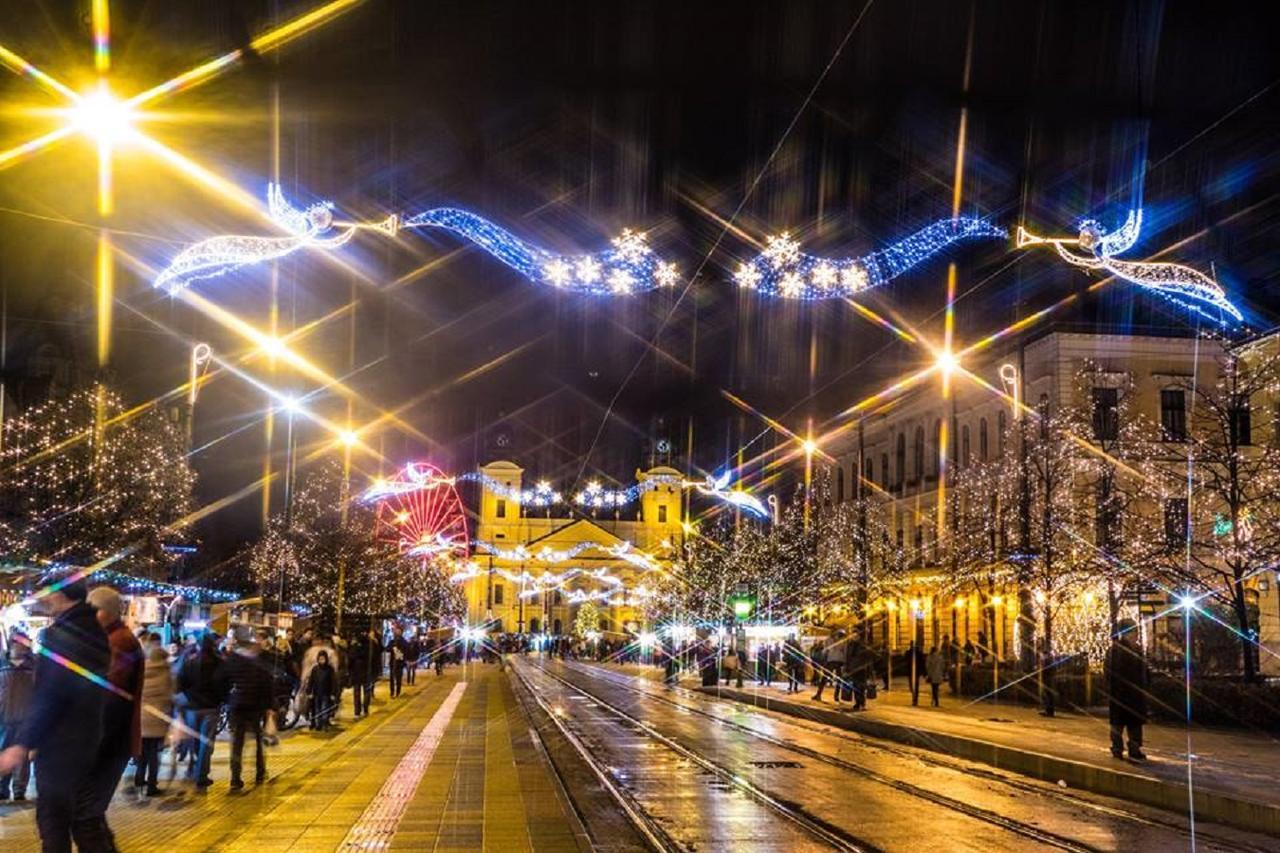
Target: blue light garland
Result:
[783, 270]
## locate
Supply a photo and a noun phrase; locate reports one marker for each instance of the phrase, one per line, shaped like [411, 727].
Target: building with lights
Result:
[909, 460]
[539, 559]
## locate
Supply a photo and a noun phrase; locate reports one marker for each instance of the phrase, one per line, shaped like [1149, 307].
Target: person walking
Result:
[935, 669]
[122, 709]
[63, 725]
[859, 666]
[399, 649]
[17, 683]
[412, 659]
[915, 670]
[731, 666]
[1128, 677]
[322, 687]
[830, 665]
[248, 686]
[794, 656]
[157, 714]
[358, 673]
[200, 686]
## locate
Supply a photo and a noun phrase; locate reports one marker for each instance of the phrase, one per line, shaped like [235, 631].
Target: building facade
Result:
[903, 459]
[534, 566]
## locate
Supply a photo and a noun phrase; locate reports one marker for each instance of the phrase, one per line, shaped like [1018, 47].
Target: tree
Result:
[321, 537]
[1233, 513]
[587, 619]
[84, 479]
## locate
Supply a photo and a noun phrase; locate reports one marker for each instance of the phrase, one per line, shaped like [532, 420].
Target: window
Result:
[982, 440]
[1106, 414]
[871, 475]
[533, 625]
[901, 460]
[900, 540]
[839, 485]
[1175, 523]
[502, 508]
[917, 454]
[498, 592]
[1042, 410]
[1240, 421]
[1001, 427]
[556, 631]
[559, 599]
[662, 513]
[964, 446]
[884, 470]
[1173, 414]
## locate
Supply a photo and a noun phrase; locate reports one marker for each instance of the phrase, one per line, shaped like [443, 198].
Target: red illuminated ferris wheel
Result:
[419, 511]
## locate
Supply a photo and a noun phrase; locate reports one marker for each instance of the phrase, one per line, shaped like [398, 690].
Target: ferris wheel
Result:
[419, 511]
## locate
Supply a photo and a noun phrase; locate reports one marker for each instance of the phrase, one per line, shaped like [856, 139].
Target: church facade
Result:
[534, 566]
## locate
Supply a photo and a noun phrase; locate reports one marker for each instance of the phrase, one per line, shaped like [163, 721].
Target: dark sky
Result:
[567, 121]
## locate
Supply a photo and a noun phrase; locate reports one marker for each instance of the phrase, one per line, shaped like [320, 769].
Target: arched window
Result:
[935, 458]
[1001, 426]
[839, 485]
[533, 625]
[917, 454]
[901, 461]
[964, 446]
[982, 440]
[884, 470]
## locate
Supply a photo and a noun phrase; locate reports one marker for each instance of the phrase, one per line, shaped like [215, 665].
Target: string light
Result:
[630, 266]
[1182, 285]
[781, 269]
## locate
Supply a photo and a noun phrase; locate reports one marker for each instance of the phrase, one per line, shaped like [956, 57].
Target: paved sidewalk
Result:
[322, 783]
[1238, 765]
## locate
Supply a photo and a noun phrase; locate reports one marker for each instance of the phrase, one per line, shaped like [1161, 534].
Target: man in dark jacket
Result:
[358, 673]
[122, 707]
[17, 685]
[200, 687]
[399, 649]
[248, 686]
[1127, 680]
[64, 725]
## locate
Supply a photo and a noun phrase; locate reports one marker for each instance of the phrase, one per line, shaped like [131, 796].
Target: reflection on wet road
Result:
[719, 776]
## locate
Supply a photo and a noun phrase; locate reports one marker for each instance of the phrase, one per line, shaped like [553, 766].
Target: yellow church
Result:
[538, 556]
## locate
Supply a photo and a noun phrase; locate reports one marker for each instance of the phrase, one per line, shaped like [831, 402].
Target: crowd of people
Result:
[93, 696]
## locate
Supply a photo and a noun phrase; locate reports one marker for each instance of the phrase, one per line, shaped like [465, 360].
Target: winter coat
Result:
[122, 717]
[64, 722]
[322, 685]
[860, 663]
[17, 686]
[157, 695]
[935, 667]
[358, 653]
[198, 678]
[248, 681]
[837, 653]
[1127, 679]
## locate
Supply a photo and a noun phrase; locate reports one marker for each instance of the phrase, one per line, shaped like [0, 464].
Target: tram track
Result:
[818, 829]
[1028, 787]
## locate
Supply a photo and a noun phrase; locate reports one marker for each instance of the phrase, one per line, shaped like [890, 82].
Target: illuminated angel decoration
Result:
[218, 256]
[630, 266]
[1183, 285]
[781, 269]
[718, 487]
[629, 553]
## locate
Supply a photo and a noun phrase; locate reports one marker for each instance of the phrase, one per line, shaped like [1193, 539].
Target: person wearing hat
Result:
[248, 688]
[122, 708]
[1127, 680]
[17, 684]
[64, 723]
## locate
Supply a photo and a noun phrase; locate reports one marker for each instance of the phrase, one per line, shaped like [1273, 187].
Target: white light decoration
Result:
[414, 479]
[630, 266]
[781, 269]
[1182, 285]
[718, 487]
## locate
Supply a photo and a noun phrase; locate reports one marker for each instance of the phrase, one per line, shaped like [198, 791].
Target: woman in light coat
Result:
[157, 716]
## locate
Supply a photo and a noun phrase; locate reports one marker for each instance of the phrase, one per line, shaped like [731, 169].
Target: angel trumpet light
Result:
[1182, 285]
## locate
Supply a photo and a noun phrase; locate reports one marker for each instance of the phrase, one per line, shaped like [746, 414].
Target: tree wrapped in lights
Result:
[587, 619]
[321, 537]
[1234, 515]
[84, 479]
[857, 560]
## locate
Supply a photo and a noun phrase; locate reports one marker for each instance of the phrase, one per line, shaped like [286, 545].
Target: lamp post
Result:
[291, 405]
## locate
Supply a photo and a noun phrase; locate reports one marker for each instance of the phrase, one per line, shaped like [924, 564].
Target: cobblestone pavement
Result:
[485, 785]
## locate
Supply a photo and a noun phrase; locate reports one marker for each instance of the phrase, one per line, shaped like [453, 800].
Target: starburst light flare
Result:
[630, 266]
[1182, 285]
[783, 270]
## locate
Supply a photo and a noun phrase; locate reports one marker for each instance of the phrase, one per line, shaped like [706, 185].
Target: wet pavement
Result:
[715, 775]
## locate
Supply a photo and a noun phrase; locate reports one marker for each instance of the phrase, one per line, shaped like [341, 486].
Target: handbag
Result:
[871, 690]
[730, 661]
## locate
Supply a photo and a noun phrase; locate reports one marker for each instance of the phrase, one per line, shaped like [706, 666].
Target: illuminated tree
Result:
[587, 619]
[75, 491]
[1233, 512]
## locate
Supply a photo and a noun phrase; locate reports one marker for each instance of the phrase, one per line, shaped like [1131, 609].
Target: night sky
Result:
[699, 122]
